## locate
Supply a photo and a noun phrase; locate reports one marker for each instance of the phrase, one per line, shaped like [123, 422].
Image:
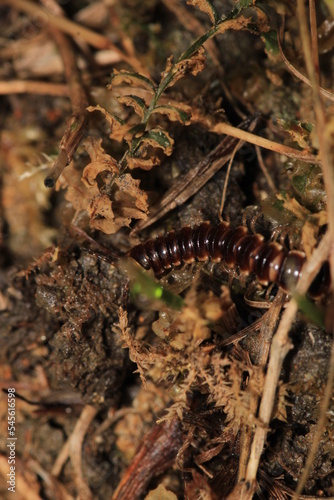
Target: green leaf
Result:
[270, 41]
[137, 130]
[307, 126]
[310, 310]
[197, 44]
[144, 284]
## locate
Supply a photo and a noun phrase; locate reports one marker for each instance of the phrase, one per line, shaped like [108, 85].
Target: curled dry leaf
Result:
[242, 23]
[76, 192]
[130, 198]
[161, 493]
[310, 231]
[207, 8]
[143, 163]
[101, 162]
[193, 65]
[129, 202]
[102, 216]
[118, 128]
[107, 215]
[297, 132]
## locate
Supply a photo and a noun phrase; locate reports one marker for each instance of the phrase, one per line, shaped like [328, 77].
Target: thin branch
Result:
[73, 448]
[225, 128]
[228, 171]
[314, 40]
[325, 93]
[323, 127]
[267, 330]
[281, 345]
[33, 87]
[193, 25]
[264, 169]
[320, 427]
[76, 125]
[74, 30]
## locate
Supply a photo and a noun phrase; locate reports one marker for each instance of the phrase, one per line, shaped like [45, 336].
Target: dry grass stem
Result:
[264, 169]
[323, 127]
[294, 71]
[30, 87]
[225, 128]
[73, 29]
[281, 345]
[228, 170]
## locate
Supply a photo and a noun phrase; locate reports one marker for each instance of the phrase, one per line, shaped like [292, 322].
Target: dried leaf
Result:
[76, 193]
[298, 132]
[129, 187]
[130, 78]
[102, 216]
[310, 231]
[246, 23]
[137, 103]
[161, 493]
[293, 206]
[101, 162]
[193, 65]
[206, 7]
[118, 128]
[143, 163]
[239, 23]
[129, 202]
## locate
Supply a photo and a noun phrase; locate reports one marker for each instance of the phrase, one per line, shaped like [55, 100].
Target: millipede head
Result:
[291, 270]
[138, 253]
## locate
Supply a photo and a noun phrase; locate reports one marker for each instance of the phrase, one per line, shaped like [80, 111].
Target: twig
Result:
[225, 128]
[324, 133]
[323, 129]
[74, 30]
[228, 171]
[54, 486]
[314, 40]
[73, 449]
[188, 184]
[326, 93]
[77, 123]
[281, 345]
[265, 170]
[320, 427]
[268, 325]
[157, 452]
[192, 24]
[33, 87]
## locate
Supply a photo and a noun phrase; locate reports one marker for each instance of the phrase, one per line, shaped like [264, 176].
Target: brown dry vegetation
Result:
[121, 121]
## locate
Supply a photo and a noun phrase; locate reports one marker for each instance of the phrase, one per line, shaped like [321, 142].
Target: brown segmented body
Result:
[270, 262]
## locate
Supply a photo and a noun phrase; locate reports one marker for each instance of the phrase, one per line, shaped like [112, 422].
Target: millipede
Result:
[270, 262]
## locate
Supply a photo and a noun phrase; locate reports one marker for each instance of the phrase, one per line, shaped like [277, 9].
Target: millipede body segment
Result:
[269, 262]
